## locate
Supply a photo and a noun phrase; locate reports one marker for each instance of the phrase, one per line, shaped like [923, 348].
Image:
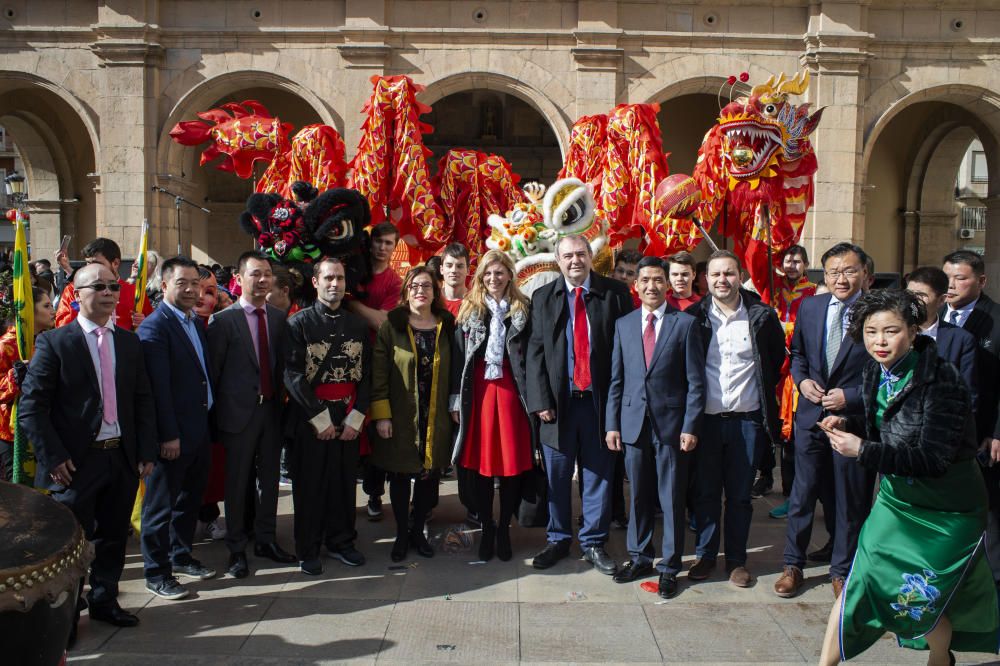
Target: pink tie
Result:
[649, 338]
[109, 397]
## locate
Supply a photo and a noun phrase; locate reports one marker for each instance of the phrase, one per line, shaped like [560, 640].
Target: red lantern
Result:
[12, 215]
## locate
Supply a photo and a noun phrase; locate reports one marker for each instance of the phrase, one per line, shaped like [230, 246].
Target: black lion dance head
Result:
[278, 226]
[336, 221]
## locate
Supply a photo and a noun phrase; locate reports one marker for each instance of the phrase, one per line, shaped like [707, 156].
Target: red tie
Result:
[264, 355]
[649, 338]
[581, 343]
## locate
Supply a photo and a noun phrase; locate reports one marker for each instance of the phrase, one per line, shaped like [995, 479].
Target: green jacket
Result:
[394, 396]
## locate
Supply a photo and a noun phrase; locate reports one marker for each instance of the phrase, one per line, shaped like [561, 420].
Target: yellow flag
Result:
[24, 304]
[140, 278]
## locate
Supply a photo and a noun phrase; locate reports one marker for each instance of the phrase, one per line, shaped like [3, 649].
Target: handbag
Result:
[534, 508]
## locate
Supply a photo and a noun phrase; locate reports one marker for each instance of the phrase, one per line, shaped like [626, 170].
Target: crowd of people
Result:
[670, 373]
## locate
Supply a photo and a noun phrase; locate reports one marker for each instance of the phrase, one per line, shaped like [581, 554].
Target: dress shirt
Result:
[845, 319]
[963, 313]
[251, 312]
[108, 430]
[188, 324]
[657, 323]
[932, 330]
[730, 371]
[571, 305]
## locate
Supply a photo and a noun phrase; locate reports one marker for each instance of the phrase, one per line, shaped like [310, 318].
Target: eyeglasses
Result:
[424, 286]
[848, 273]
[100, 286]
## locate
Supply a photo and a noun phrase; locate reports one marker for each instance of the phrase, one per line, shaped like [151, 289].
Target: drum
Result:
[43, 555]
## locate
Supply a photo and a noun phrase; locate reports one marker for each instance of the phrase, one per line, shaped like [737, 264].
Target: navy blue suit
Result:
[958, 346]
[651, 407]
[175, 488]
[841, 483]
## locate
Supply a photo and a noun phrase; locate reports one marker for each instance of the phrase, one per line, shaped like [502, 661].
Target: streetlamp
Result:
[15, 189]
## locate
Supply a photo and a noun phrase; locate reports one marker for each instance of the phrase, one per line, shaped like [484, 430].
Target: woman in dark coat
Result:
[494, 435]
[920, 570]
[411, 378]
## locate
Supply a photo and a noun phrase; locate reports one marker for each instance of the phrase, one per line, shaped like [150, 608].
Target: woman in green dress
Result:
[920, 570]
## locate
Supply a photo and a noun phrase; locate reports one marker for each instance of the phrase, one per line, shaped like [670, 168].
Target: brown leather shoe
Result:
[740, 576]
[701, 570]
[790, 582]
[838, 586]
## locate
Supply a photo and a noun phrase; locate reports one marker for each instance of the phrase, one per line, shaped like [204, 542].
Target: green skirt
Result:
[921, 555]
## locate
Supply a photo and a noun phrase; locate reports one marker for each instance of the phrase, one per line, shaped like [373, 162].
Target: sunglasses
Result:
[100, 286]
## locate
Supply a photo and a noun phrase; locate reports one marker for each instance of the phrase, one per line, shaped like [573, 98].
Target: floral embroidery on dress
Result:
[916, 595]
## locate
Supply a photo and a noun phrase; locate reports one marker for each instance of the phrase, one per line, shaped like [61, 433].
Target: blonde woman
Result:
[494, 437]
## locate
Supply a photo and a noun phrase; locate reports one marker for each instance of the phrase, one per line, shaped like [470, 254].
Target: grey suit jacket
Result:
[233, 365]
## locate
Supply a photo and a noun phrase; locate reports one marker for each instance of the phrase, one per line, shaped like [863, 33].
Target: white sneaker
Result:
[216, 530]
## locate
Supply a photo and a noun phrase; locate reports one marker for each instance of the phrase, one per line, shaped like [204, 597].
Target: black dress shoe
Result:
[419, 543]
[632, 572]
[399, 548]
[112, 613]
[668, 586]
[599, 557]
[238, 567]
[824, 554]
[273, 552]
[552, 553]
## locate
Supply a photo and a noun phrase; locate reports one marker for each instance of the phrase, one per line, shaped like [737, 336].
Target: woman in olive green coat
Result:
[411, 369]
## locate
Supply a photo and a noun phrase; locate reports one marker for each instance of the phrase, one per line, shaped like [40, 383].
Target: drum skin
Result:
[43, 555]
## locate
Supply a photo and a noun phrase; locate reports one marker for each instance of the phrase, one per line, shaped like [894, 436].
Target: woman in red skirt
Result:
[494, 436]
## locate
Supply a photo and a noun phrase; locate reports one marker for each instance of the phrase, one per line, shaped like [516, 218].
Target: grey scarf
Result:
[498, 334]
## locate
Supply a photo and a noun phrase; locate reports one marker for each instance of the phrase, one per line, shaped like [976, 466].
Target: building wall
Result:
[115, 76]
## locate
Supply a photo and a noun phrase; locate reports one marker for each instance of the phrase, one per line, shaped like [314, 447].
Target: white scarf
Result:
[498, 335]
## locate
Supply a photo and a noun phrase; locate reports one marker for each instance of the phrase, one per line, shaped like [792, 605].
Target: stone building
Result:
[90, 90]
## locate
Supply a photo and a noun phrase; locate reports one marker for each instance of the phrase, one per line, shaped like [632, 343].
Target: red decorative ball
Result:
[12, 215]
[744, 77]
[731, 81]
[677, 196]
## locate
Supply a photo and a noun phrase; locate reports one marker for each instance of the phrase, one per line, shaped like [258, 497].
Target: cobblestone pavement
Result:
[452, 609]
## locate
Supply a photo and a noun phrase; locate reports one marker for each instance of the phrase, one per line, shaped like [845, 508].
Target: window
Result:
[979, 171]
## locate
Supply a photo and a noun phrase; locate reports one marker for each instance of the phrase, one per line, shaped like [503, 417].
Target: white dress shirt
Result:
[730, 371]
[932, 330]
[963, 313]
[657, 323]
[108, 430]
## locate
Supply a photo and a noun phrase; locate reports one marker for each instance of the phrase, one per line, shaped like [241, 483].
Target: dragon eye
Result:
[770, 109]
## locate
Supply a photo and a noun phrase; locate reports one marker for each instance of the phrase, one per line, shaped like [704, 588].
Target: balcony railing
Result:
[974, 217]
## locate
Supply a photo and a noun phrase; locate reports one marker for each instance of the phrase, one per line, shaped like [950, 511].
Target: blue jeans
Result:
[726, 460]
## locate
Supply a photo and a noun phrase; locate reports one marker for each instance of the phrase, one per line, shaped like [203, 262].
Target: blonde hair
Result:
[474, 304]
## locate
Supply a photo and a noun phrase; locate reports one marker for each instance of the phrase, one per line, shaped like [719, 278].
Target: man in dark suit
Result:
[246, 363]
[970, 308]
[826, 366]
[655, 404]
[744, 349]
[87, 408]
[174, 346]
[954, 344]
[569, 369]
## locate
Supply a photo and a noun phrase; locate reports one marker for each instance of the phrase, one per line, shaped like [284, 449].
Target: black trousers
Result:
[101, 497]
[423, 499]
[510, 498]
[257, 447]
[324, 492]
[170, 511]
[372, 479]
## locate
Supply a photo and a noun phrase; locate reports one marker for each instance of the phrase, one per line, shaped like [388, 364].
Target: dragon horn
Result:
[767, 86]
[796, 85]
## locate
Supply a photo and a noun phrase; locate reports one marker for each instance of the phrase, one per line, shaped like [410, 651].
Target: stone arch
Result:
[910, 160]
[453, 83]
[177, 167]
[57, 141]
[691, 74]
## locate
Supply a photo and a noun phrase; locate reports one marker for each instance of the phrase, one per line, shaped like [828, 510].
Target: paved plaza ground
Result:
[452, 609]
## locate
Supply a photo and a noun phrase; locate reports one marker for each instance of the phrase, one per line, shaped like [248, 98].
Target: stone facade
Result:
[90, 90]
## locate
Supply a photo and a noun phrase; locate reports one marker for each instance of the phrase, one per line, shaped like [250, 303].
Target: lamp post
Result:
[15, 189]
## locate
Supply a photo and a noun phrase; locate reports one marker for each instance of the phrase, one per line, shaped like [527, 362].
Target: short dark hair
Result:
[973, 260]
[652, 262]
[241, 264]
[326, 260]
[384, 229]
[628, 257]
[904, 303]
[456, 251]
[840, 249]
[105, 247]
[44, 262]
[797, 250]
[683, 258]
[723, 254]
[173, 263]
[932, 276]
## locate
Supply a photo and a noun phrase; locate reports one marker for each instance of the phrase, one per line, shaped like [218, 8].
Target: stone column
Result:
[365, 53]
[935, 236]
[992, 243]
[837, 59]
[600, 63]
[129, 53]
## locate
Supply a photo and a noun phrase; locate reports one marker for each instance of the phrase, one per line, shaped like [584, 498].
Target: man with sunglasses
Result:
[87, 407]
[105, 252]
